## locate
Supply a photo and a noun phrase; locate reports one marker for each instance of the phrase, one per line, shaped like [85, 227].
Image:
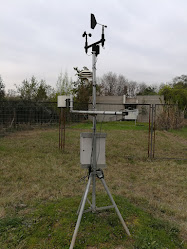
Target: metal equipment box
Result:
[86, 149]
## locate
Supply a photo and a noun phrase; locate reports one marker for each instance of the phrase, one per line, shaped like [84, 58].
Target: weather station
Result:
[92, 145]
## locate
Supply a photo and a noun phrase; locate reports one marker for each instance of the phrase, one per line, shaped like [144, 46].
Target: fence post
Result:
[62, 126]
[152, 130]
[149, 130]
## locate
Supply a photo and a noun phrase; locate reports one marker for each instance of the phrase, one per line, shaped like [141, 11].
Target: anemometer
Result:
[92, 145]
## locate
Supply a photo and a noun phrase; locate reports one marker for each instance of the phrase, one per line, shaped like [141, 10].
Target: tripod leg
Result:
[80, 213]
[115, 206]
[81, 204]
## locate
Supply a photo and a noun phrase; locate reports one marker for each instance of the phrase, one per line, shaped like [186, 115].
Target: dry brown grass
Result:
[170, 117]
[169, 145]
[33, 169]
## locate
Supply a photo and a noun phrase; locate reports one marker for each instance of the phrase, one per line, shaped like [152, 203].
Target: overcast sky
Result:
[146, 40]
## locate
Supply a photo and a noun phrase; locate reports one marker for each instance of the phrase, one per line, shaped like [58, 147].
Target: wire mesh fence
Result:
[168, 140]
[153, 120]
[13, 113]
[16, 115]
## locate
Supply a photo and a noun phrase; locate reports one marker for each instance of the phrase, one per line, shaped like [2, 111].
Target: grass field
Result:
[41, 189]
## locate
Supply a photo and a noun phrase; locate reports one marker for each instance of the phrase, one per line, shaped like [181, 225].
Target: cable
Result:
[82, 178]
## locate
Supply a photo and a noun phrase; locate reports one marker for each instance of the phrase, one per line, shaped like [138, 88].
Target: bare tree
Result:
[122, 85]
[64, 84]
[132, 88]
[141, 88]
[112, 84]
[109, 83]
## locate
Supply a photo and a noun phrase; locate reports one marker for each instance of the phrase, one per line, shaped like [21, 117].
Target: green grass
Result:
[41, 189]
[116, 125]
[180, 132]
[51, 225]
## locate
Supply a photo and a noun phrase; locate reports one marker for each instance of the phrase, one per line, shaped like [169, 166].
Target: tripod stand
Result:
[94, 172]
[100, 175]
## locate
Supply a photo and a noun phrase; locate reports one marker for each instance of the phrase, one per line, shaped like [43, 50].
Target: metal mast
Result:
[94, 161]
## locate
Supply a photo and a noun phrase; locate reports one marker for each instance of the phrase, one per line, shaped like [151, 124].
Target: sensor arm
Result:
[95, 43]
[102, 41]
[95, 112]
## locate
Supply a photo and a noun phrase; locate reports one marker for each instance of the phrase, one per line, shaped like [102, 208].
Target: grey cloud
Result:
[145, 40]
